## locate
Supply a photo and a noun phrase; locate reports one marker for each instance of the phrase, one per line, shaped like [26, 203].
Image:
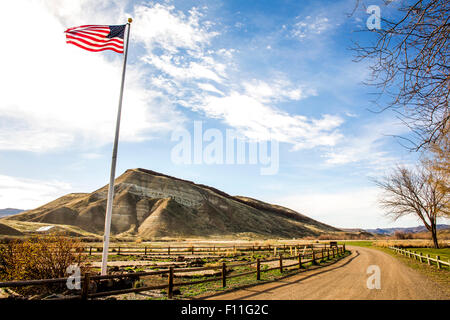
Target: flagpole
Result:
[109, 203]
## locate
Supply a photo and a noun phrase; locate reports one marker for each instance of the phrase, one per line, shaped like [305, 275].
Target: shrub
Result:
[40, 257]
[402, 235]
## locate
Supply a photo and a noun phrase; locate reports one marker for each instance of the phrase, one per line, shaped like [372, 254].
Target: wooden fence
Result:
[314, 256]
[214, 250]
[419, 256]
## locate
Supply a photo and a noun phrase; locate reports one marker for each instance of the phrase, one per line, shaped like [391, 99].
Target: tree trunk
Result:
[434, 236]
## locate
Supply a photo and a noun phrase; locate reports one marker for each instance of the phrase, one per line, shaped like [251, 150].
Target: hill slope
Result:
[150, 204]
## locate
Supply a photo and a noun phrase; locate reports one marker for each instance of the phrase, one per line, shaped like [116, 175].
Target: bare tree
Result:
[439, 162]
[410, 64]
[414, 192]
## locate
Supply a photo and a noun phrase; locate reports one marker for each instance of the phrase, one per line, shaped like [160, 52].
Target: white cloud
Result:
[28, 193]
[310, 26]
[256, 120]
[209, 87]
[367, 146]
[162, 26]
[193, 70]
[56, 95]
[277, 90]
[179, 47]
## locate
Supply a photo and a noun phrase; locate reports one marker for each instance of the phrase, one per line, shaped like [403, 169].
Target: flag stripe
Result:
[97, 37]
[94, 36]
[91, 26]
[97, 42]
[89, 48]
[86, 44]
[92, 33]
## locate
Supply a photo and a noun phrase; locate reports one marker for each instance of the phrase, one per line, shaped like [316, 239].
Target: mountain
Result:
[149, 204]
[9, 211]
[391, 231]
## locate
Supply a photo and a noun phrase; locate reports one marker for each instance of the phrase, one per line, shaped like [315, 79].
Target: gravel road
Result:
[347, 280]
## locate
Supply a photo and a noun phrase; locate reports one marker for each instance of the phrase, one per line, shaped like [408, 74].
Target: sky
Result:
[276, 74]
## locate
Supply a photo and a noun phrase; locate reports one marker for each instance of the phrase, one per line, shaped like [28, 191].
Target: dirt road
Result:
[347, 279]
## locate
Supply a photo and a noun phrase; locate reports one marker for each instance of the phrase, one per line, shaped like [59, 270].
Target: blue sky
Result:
[270, 70]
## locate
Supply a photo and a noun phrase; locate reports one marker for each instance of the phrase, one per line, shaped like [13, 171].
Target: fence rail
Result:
[422, 258]
[176, 250]
[314, 256]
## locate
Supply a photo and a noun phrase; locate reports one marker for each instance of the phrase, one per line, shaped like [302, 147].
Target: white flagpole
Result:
[109, 203]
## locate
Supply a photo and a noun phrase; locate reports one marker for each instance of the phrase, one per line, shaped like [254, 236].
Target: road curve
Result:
[347, 280]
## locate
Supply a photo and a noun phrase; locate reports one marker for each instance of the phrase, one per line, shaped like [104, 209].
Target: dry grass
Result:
[410, 243]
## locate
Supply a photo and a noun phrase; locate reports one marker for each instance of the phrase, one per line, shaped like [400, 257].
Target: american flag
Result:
[96, 37]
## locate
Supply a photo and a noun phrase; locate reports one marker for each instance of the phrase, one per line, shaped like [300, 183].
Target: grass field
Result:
[359, 243]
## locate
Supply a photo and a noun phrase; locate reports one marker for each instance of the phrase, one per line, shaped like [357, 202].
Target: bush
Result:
[40, 257]
[402, 235]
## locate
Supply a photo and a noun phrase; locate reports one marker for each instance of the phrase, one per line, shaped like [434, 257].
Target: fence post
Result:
[168, 250]
[145, 253]
[85, 291]
[438, 262]
[344, 247]
[313, 256]
[334, 255]
[170, 287]
[253, 250]
[281, 263]
[328, 254]
[224, 274]
[428, 260]
[118, 252]
[414, 254]
[299, 261]
[90, 250]
[258, 269]
[192, 250]
[420, 256]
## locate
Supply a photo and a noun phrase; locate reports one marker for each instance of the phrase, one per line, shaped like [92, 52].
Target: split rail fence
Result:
[315, 255]
[422, 258]
[214, 250]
